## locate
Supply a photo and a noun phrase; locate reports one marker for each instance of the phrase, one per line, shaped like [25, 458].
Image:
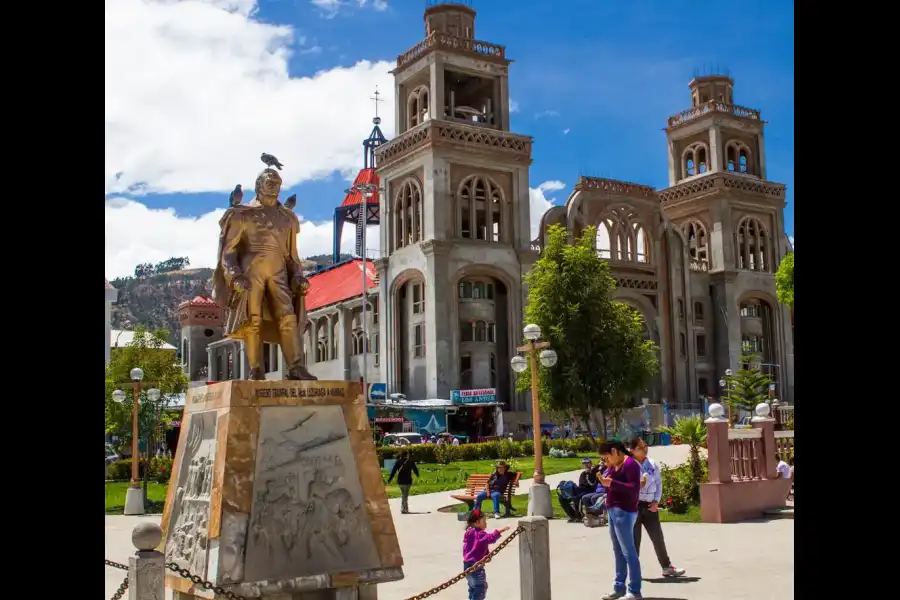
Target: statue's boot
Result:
[254, 348]
[291, 347]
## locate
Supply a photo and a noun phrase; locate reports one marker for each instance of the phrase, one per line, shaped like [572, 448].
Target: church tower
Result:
[732, 222]
[455, 219]
[202, 321]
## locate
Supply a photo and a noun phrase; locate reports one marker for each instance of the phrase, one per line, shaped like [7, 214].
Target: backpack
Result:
[566, 490]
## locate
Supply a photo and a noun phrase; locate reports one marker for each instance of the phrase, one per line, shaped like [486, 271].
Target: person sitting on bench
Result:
[587, 483]
[496, 487]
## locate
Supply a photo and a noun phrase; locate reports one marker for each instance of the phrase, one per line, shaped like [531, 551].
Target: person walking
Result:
[622, 481]
[496, 487]
[476, 542]
[403, 469]
[648, 508]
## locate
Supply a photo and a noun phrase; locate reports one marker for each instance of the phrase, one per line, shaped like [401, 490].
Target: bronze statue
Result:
[259, 280]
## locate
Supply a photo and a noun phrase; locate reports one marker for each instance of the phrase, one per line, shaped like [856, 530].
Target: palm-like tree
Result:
[690, 431]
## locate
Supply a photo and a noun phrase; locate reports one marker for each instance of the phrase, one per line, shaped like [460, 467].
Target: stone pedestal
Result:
[134, 501]
[539, 503]
[276, 492]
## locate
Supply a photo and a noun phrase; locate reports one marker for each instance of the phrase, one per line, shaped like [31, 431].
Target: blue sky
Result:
[593, 82]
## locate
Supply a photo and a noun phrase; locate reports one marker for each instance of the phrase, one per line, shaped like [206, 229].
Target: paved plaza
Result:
[752, 560]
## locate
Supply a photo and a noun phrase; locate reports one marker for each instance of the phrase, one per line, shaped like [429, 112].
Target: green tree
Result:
[747, 387]
[603, 359]
[146, 350]
[784, 281]
[691, 431]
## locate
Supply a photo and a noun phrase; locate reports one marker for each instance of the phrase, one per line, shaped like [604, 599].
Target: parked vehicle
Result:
[405, 439]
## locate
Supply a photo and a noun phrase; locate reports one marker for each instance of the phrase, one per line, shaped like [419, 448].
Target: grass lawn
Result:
[433, 478]
[115, 496]
[521, 505]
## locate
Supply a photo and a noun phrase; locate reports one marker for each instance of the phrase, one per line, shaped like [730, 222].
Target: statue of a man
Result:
[259, 280]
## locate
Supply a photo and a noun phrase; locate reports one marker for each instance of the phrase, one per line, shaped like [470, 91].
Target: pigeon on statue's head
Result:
[270, 161]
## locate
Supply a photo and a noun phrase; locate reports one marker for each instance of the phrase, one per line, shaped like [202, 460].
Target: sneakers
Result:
[496, 515]
[672, 571]
[614, 595]
[630, 596]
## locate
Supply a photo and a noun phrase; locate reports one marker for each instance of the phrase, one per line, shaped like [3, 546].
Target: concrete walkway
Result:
[751, 561]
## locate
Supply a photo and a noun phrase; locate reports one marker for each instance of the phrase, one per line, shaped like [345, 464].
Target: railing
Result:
[784, 445]
[613, 186]
[711, 182]
[746, 454]
[444, 41]
[712, 106]
[699, 266]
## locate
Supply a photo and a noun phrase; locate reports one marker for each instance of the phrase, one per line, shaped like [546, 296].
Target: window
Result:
[752, 344]
[356, 346]
[465, 371]
[698, 313]
[267, 357]
[622, 236]
[604, 239]
[480, 331]
[418, 295]
[680, 309]
[229, 369]
[481, 203]
[752, 246]
[321, 350]
[737, 156]
[703, 386]
[465, 289]
[698, 244]
[701, 345]
[419, 340]
[489, 291]
[750, 310]
[694, 159]
[374, 306]
[466, 331]
[492, 332]
[220, 367]
[408, 221]
[184, 352]
[478, 290]
[375, 347]
[683, 345]
[417, 106]
[493, 370]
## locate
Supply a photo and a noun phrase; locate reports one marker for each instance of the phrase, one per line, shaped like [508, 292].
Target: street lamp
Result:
[726, 386]
[134, 497]
[539, 496]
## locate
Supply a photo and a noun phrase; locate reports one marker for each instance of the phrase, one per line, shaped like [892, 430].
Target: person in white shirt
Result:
[648, 508]
[784, 470]
[455, 441]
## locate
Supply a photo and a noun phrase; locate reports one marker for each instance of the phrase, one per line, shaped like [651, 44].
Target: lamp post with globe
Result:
[539, 496]
[726, 386]
[134, 497]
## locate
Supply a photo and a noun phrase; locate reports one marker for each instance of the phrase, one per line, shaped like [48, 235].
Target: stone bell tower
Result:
[201, 324]
[455, 218]
[732, 221]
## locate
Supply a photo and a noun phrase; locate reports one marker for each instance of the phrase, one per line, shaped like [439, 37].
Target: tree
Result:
[747, 387]
[691, 431]
[160, 371]
[602, 357]
[784, 281]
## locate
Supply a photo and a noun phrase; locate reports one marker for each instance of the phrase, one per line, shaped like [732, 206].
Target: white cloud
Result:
[331, 7]
[791, 238]
[197, 89]
[566, 131]
[539, 203]
[136, 234]
[513, 106]
[547, 114]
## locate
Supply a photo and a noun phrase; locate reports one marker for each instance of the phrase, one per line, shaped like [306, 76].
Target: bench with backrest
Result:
[477, 482]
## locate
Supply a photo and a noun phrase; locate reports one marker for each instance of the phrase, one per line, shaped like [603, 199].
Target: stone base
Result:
[134, 501]
[276, 492]
[539, 503]
[741, 500]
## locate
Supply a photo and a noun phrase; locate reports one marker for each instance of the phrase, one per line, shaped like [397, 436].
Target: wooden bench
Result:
[476, 484]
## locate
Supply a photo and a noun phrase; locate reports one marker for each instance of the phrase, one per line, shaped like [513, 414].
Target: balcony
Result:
[695, 112]
[444, 41]
[716, 182]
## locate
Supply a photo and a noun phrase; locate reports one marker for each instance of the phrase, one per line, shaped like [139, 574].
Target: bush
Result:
[160, 469]
[446, 453]
[677, 485]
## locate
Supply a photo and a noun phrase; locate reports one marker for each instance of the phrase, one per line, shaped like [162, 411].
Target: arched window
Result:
[604, 239]
[694, 159]
[738, 158]
[480, 331]
[465, 289]
[752, 246]
[417, 106]
[322, 353]
[481, 206]
[408, 218]
[698, 244]
[375, 347]
[478, 290]
[641, 255]
[465, 371]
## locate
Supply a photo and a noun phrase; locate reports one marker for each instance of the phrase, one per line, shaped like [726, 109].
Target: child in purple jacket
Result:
[475, 547]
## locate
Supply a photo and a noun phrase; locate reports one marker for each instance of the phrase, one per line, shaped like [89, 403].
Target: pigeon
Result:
[237, 195]
[291, 202]
[270, 161]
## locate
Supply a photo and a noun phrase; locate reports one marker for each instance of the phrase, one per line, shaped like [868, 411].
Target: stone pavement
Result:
[752, 561]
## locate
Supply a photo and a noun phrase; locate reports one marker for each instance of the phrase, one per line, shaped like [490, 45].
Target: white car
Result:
[405, 439]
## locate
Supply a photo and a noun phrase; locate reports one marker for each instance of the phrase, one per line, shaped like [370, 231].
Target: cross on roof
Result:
[376, 99]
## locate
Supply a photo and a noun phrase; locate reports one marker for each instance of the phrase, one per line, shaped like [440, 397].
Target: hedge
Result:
[447, 453]
[160, 469]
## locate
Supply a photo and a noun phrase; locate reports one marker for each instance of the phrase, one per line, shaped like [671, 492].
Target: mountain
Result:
[152, 296]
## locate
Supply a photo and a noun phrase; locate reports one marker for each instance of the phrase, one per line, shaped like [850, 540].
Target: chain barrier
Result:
[471, 569]
[219, 591]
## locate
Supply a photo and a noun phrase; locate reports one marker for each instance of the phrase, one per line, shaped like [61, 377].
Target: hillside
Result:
[152, 300]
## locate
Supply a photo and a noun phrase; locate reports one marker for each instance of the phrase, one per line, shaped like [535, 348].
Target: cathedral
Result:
[445, 300]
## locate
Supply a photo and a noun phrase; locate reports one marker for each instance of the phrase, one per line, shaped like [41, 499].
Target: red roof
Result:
[338, 283]
[202, 300]
[354, 198]
[109, 287]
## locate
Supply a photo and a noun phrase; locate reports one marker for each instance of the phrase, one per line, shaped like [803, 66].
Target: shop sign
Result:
[389, 419]
[477, 396]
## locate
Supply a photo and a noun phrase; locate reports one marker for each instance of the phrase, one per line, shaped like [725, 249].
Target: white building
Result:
[112, 294]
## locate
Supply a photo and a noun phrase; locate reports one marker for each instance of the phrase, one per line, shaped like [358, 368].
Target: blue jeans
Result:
[477, 581]
[621, 530]
[482, 496]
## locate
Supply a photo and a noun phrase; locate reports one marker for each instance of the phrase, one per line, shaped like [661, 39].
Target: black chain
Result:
[121, 591]
[471, 569]
[116, 565]
[217, 590]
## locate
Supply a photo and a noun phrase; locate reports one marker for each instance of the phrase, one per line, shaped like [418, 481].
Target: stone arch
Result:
[408, 219]
[651, 320]
[482, 208]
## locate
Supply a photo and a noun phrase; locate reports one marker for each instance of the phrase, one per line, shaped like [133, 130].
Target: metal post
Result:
[135, 456]
[146, 569]
[536, 418]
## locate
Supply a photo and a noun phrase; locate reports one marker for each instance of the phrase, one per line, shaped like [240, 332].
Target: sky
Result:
[196, 90]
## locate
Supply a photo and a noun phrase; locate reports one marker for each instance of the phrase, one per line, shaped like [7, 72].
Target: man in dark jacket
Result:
[496, 487]
[403, 469]
[587, 484]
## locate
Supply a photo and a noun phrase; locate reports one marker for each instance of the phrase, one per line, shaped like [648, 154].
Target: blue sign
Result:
[429, 421]
[479, 396]
[377, 392]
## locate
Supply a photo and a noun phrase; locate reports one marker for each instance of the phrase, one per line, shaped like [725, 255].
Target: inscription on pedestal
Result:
[308, 515]
[187, 540]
